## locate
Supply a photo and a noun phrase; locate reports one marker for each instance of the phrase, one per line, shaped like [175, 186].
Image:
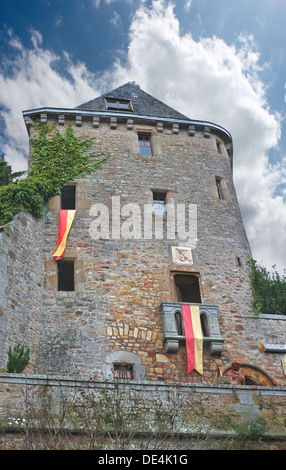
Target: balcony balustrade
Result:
[173, 325]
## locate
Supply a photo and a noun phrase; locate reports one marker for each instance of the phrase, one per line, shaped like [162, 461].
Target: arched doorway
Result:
[254, 375]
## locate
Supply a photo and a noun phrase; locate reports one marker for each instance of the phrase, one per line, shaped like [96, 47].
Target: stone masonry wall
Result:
[138, 415]
[21, 272]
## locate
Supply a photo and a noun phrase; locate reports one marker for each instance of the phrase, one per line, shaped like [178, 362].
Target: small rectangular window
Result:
[219, 146]
[219, 188]
[145, 144]
[65, 275]
[159, 201]
[123, 371]
[68, 197]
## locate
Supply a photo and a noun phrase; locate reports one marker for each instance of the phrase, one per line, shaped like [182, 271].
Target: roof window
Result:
[118, 104]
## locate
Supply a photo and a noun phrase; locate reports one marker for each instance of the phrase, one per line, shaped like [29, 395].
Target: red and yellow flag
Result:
[194, 337]
[65, 222]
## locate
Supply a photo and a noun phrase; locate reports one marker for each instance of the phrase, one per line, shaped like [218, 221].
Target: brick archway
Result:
[254, 375]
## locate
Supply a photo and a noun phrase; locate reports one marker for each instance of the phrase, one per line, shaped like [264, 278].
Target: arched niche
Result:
[254, 375]
[124, 357]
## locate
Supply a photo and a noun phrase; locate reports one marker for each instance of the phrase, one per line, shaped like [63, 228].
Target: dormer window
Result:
[118, 104]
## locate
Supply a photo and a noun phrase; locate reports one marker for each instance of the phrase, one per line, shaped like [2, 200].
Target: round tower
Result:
[157, 239]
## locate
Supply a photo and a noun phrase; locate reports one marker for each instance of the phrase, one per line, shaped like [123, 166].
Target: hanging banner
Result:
[194, 337]
[65, 222]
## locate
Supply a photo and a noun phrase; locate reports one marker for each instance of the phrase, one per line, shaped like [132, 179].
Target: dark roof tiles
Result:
[143, 103]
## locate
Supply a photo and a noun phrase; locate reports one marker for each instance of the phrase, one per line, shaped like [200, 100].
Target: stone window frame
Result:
[124, 358]
[221, 190]
[51, 273]
[187, 271]
[55, 202]
[63, 262]
[219, 146]
[219, 187]
[145, 134]
[186, 274]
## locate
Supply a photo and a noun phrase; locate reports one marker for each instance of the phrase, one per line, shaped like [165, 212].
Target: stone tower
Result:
[157, 227]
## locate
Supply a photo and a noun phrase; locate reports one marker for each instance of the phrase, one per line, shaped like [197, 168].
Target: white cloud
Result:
[97, 3]
[187, 5]
[30, 81]
[115, 20]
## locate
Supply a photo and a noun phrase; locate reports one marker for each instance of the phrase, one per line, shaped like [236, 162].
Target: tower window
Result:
[159, 201]
[188, 288]
[145, 144]
[68, 197]
[219, 187]
[219, 146]
[65, 275]
[123, 371]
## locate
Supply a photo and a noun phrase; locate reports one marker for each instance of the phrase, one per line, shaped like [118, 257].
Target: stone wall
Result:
[142, 415]
[21, 272]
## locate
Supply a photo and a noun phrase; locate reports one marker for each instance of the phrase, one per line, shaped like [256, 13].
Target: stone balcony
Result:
[174, 327]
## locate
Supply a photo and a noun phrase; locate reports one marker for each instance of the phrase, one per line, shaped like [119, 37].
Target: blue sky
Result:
[216, 60]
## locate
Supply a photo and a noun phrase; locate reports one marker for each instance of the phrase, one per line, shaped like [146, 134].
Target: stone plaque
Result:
[182, 255]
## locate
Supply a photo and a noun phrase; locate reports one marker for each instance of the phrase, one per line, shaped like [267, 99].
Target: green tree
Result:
[6, 175]
[269, 290]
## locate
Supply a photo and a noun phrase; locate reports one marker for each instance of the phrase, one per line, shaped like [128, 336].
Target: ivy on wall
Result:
[56, 159]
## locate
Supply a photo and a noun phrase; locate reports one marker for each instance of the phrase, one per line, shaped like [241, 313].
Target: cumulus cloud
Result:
[31, 80]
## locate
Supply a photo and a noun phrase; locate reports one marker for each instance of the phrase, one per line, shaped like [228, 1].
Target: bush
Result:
[18, 358]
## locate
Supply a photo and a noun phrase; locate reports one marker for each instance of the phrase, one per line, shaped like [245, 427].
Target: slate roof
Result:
[143, 103]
